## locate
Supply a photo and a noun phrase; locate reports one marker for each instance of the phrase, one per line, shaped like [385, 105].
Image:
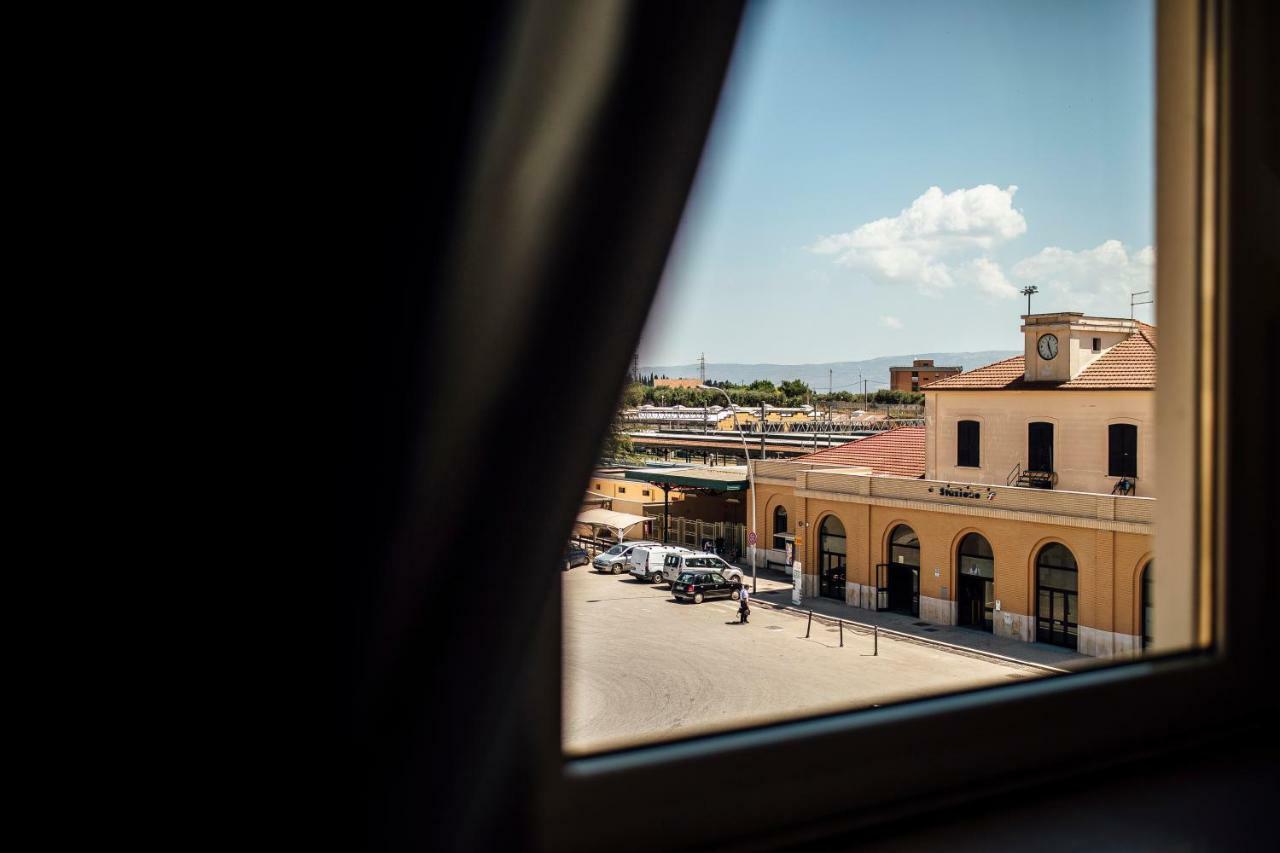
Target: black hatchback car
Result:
[695, 586]
[575, 555]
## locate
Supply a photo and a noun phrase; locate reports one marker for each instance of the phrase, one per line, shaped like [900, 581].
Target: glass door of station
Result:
[832, 559]
[1057, 616]
[898, 581]
[975, 583]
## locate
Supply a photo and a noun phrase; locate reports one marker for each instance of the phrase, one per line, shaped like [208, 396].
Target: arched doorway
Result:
[780, 528]
[831, 558]
[898, 581]
[1148, 603]
[1057, 616]
[975, 582]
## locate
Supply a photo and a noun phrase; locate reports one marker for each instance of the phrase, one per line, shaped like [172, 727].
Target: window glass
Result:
[933, 183]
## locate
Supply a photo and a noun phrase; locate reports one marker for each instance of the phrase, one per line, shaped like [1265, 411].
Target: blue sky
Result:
[813, 235]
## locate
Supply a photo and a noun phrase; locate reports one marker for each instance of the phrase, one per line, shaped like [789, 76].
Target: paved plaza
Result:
[640, 667]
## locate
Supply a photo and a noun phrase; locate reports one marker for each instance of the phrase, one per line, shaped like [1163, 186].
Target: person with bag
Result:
[744, 606]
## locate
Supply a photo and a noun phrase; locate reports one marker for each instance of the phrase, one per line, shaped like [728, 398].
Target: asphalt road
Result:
[639, 666]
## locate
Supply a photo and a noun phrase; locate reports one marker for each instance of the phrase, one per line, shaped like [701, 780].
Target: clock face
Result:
[1047, 346]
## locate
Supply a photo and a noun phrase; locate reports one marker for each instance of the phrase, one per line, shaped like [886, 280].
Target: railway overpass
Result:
[728, 446]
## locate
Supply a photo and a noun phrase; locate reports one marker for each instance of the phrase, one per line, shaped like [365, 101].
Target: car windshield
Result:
[615, 550]
[688, 577]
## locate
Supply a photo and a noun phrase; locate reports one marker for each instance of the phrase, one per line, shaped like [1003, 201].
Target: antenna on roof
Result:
[1027, 291]
[1133, 300]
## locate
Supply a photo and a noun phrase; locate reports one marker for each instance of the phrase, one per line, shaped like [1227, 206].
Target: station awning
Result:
[729, 478]
[609, 518]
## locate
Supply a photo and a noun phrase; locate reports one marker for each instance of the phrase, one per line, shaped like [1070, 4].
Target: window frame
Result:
[804, 766]
[441, 764]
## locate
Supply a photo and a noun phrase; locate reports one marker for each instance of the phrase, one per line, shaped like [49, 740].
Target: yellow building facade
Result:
[1033, 521]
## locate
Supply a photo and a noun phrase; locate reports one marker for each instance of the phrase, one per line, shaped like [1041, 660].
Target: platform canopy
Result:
[609, 518]
[727, 478]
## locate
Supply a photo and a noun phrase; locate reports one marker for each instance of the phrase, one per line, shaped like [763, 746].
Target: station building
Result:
[1024, 506]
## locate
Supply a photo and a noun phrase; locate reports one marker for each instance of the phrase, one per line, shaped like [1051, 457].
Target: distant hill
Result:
[844, 374]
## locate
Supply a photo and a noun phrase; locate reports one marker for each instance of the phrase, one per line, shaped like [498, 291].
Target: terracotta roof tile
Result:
[1129, 365]
[998, 375]
[898, 452]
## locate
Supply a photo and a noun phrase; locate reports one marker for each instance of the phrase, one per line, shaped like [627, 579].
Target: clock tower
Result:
[1058, 346]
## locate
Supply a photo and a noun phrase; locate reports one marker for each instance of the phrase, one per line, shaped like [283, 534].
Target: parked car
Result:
[674, 564]
[614, 561]
[695, 585]
[575, 555]
[649, 563]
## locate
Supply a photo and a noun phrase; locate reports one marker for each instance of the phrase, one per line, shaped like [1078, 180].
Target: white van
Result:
[649, 563]
[614, 560]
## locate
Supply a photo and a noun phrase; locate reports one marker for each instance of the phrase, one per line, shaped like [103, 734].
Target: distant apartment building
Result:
[676, 383]
[921, 372]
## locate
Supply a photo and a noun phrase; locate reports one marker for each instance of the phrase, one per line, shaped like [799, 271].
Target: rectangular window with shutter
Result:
[967, 436]
[1122, 450]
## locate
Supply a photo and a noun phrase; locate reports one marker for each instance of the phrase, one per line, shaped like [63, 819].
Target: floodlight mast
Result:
[751, 478]
[1027, 291]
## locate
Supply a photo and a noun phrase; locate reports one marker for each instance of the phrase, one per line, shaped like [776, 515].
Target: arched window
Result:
[1057, 617]
[779, 527]
[898, 581]
[1148, 602]
[975, 582]
[831, 558]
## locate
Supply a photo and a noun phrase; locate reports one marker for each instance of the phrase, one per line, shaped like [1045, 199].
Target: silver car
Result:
[614, 561]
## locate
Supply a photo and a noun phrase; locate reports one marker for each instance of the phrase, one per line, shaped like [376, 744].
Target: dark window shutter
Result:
[1122, 450]
[967, 436]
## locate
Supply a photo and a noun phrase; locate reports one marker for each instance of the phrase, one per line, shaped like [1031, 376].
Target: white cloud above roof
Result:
[1099, 279]
[920, 244]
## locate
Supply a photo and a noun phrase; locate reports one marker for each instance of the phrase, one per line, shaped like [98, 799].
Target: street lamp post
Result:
[751, 478]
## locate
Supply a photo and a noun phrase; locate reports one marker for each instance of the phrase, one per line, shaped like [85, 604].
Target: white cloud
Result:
[1098, 279]
[987, 276]
[915, 246]
[891, 322]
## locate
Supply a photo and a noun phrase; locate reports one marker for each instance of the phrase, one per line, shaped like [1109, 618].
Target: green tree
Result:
[794, 392]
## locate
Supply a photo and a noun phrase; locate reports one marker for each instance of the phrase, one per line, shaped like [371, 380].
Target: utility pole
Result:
[1027, 291]
[762, 429]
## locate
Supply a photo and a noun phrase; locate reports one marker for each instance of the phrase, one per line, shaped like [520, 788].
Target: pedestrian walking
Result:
[744, 604]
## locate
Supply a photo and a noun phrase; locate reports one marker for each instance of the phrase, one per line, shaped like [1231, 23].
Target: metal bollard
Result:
[808, 625]
[875, 651]
[841, 621]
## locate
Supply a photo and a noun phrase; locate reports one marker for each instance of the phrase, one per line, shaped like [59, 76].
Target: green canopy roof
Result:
[730, 478]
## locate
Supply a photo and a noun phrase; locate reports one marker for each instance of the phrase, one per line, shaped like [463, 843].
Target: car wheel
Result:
[614, 569]
[657, 577]
[697, 598]
[735, 595]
